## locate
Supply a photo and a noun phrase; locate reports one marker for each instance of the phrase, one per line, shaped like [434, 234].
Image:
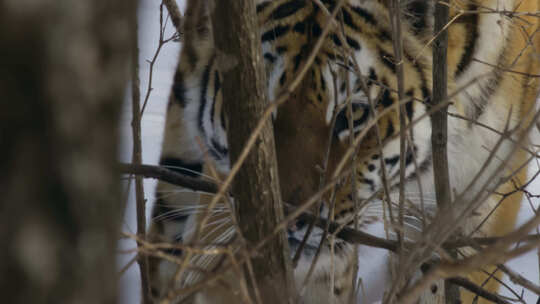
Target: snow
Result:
[152, 129]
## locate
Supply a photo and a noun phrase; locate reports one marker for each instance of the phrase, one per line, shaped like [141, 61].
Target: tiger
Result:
[351, 91]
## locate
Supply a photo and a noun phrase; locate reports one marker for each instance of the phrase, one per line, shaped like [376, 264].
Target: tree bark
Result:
[62, 78]
[256, 188]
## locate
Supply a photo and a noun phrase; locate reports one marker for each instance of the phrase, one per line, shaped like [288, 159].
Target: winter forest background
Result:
[152, 129]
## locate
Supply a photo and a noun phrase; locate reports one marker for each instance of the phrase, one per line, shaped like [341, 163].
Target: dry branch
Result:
[169, 176]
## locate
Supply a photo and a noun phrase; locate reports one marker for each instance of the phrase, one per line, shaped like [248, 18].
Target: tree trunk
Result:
[256, 188]
[62, 78]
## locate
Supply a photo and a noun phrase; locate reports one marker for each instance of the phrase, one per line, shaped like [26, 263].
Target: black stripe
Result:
[202, 103]
[217, 85]
[178, 88]
[341, 124]
[336, 40]
[270, 57]
[487, 89]
[409, 157]
[353, 43]
[260, 7]
[192, 169]
[223, 151]
[369, 182]
[300, 27]
[417, 13]
[420, 69]
[304, 50]
[287, 9]
[368, 17]
[471, 26]
[391, 161]
[364, 117]
[384, 35]
[297, 59]
[283, 78]
[372, 77]
[348, 20]
[422, 167]
[172, 251]
[389, 129]
[387, 60]
[281, 49]
[163, 211]
[342, 119]
[386, 99]
[409, 107]
[316, 30]
[274, 33]
[336, 57]
[222, 116]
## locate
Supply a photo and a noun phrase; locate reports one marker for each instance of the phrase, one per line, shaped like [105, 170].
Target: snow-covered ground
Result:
[152, 129]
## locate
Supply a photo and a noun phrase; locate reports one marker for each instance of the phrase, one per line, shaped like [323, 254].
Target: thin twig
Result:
[162, 41]
[137, 160]
[518, 279]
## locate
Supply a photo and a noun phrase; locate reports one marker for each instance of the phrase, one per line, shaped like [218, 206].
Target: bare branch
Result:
[174, 13]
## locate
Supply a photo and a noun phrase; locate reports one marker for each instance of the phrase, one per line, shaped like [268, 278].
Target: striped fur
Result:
[493, 94]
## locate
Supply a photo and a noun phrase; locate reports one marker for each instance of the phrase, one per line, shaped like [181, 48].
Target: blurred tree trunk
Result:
[256, 187]
[62, 76]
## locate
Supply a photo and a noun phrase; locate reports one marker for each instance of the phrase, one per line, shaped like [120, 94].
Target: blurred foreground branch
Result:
[63, 78]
